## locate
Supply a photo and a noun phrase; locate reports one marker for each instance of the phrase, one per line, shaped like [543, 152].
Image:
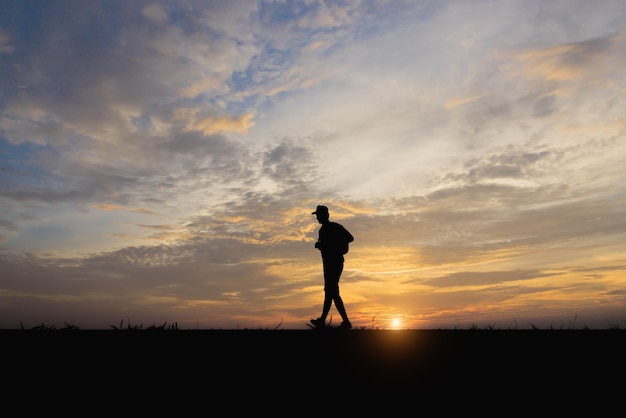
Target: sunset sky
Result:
[159, 162]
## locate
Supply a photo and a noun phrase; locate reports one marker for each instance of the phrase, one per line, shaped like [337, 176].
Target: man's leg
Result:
[328, 300]
[338, 300]
[341, 308]
[332, 273]
[328, 297]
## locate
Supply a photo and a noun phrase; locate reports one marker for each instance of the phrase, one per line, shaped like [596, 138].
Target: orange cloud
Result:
[451, 104]
[212, 124]
[567, 61]
[111, 207]
[107, 206]
[207, 84]
[143, 210]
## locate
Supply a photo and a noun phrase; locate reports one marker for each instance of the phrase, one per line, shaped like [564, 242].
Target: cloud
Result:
[451, 104]
[523, 166]
[326, 17]
[485, 278]
[143, 210]
[5, 43]
[567, 62]
[204, 86]
[107, 206]
[211, 124]
[154, 12]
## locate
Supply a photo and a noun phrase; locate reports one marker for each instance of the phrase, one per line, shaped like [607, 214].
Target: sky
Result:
[159, 162]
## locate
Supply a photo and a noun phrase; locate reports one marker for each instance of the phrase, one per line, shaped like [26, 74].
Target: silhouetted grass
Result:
[129, 327]
[374, 326]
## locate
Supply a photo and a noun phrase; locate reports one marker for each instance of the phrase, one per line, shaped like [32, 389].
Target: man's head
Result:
[321, 212]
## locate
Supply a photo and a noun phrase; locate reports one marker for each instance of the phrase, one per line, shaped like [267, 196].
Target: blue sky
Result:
[160, 161]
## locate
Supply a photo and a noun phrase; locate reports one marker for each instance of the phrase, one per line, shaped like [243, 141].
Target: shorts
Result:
[332, 274]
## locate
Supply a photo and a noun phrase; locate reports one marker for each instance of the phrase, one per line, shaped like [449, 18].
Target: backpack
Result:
[346, 247]
[347, 239]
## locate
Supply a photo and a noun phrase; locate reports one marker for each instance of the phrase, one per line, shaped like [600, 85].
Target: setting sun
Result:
[396, 323]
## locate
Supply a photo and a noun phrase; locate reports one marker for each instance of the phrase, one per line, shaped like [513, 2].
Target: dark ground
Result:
[446, 369]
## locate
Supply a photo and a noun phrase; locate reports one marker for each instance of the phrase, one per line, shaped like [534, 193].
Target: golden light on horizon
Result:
[396, 323]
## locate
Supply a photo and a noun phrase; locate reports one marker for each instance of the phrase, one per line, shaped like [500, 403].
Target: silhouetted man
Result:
[333, 244]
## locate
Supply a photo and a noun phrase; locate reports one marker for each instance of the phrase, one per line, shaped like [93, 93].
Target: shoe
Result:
[346, 324]
[319, 322]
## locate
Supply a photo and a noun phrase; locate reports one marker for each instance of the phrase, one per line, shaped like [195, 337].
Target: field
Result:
[278, 365]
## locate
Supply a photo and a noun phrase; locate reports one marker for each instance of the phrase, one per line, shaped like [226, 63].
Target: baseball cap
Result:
[320, 209]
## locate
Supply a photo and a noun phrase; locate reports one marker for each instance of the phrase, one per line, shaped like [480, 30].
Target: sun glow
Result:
[396, 323]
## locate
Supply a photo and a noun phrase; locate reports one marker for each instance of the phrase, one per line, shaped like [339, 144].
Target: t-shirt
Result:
[333, 240]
